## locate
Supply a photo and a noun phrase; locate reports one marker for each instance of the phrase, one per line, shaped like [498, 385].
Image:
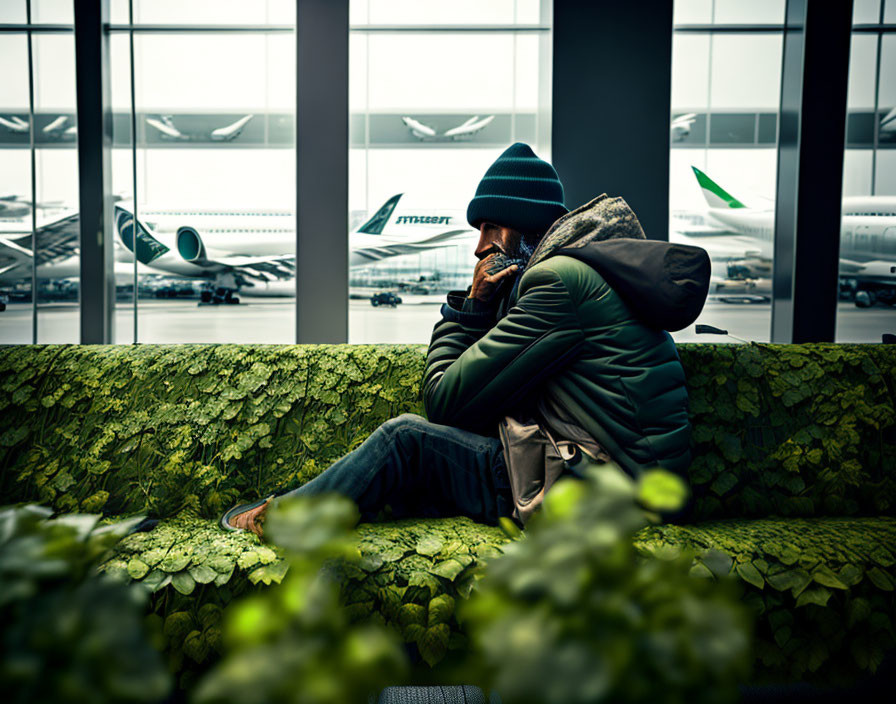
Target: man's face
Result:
[497, 238]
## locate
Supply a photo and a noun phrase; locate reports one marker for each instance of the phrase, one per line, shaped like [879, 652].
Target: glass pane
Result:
[723, 170]
[866, 11]
[423, 133]
[690, 71]
[890, 12]
[206, 12]
[13, 12]
[58, 258]
[753, 12]
[53, 11]
[15, 194]
[746, 71]
[862, 66]
[867, 279]
[397, 12]
[215, 187]
[123, 191]
[692, 12]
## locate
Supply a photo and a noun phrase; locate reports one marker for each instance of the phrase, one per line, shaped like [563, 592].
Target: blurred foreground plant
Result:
[70, 634]
[570, 614]
[293, 642]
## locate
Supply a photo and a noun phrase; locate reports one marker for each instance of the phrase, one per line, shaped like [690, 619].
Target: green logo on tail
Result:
[708, 184]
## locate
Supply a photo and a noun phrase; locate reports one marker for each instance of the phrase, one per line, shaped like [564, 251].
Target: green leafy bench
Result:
[794, 477]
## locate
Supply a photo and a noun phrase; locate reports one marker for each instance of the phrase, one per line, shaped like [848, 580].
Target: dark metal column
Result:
[811, 134]
[322, 172]
[612, 88]
[95, 171]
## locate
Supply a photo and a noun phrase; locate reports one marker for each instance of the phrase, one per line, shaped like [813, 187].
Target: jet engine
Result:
[190, 245]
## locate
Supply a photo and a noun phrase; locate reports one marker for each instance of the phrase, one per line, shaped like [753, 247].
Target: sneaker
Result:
[236, 511]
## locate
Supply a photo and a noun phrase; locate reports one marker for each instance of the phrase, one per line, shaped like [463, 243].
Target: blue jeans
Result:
[420, 469]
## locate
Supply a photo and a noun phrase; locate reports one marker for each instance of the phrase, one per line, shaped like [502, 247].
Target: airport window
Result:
[867, 283]
[38, 135]
[723, 158]
[215, 163]
[437, 91]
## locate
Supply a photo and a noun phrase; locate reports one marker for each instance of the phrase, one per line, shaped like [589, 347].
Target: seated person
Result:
[539, 337]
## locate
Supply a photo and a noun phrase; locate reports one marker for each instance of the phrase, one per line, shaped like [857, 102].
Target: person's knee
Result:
[404, 422]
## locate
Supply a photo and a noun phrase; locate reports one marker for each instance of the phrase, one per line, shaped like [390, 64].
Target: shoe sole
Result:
[224, 522]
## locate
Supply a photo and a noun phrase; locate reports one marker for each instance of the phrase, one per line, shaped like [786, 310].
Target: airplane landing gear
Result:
[218, 296]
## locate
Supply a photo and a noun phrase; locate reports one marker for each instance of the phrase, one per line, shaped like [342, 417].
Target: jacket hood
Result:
[665, 285]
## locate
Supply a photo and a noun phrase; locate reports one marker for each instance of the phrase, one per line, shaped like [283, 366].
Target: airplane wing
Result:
[167, 130]
[684, 120]
[270, 268]
[13, 255]
[15, 124]
[231, 130]
[470, 126]
[367, 255]
[56, 240]
[418, 126]
[56, 124]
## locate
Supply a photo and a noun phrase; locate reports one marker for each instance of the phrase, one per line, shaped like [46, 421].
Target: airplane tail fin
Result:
[148, 247]
[715, 195]
[375, 225]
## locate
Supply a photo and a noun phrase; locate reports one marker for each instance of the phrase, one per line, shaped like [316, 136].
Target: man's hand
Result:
[489, 274]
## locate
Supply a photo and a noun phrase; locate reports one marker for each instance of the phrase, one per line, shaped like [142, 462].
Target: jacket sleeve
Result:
[475, 373]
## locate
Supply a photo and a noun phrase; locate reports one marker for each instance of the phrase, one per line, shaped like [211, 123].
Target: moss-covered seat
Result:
[794, 473]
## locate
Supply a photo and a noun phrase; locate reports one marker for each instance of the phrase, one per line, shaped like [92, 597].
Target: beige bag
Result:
[534, 462]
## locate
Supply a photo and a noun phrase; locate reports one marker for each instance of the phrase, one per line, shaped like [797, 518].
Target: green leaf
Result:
[718, 562]
[268, 574]
[203, 574]
[724, 483]
[412, 613]
[265, 555]
[661, 490]
[248, 559]
[826, 577]
[749, 573]
[419, 578]
[176, 560]
[814, 595]
[440, 610]
[137, 569]
[429, 545]
[177, 625]
[700, 570]
[880, 579]
[195, 646]
[796, 579]
[370, 562]
[434, 643]
[449, 569]
[183, 582]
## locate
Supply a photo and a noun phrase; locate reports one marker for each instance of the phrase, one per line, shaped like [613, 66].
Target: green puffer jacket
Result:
[564, 332]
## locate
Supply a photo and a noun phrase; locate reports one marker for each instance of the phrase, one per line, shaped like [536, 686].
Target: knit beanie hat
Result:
[520, 191]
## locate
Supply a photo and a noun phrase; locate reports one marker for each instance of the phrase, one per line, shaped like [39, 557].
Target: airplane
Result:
[168, 130]
[681, 126]
[237, 250]
[463, 131]
[867, 241]
[56, 124]
[16, 124]
[165, 125]
[226, 134]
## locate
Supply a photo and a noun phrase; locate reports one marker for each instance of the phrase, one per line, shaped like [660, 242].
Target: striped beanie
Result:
[519, 191]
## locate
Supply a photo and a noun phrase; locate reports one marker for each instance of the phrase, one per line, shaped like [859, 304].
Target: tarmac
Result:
[272, 320]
